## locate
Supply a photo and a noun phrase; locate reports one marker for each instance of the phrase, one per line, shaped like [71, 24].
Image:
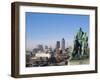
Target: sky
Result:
[46, 28]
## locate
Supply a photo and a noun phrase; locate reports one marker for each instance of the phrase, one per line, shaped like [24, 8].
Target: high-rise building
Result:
[63, 44]
[58, 44]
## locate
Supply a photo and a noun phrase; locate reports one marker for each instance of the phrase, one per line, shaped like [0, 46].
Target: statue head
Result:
[80, 29]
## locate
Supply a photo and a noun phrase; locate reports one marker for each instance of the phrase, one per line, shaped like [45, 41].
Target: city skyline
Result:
[58, 44]
[46, 29]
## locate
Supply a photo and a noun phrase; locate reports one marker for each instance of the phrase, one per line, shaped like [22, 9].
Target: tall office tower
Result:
[63, 44]
[58, 44]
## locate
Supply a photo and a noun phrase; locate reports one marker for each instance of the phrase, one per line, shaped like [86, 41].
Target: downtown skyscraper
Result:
[63, 44]
[58, 44]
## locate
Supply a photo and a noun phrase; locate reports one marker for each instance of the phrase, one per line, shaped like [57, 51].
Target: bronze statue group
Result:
[81, 49]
